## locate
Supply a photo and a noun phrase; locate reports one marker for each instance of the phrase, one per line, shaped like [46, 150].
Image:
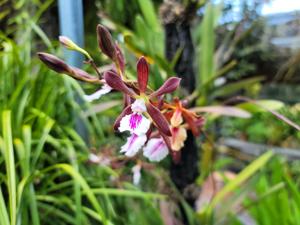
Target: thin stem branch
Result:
[93, 64]
[276, 114]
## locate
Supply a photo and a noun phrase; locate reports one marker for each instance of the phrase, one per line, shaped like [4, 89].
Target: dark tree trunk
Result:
[178, 36]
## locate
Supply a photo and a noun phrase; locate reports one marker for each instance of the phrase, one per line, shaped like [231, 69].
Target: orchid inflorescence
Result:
[154, 125]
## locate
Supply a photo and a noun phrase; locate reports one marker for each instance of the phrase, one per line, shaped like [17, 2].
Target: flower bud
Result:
[54, 63]
[106, 43]
[69, 44]
[143, 74]
[60, 66]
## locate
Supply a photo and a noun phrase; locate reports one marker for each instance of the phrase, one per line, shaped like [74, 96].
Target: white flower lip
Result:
[156, 150]
[133, 145]
[104, 90]
[135, 123]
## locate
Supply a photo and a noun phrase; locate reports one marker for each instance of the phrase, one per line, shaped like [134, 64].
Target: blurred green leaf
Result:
[149, 14]
[8, 153]
[207, 68]
[254, 108]
[3, 212]
[231, 186]
[223, 111]
[236, 86]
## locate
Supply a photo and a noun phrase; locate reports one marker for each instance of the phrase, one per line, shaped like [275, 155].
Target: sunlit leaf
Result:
[223, 111]
[269, 104]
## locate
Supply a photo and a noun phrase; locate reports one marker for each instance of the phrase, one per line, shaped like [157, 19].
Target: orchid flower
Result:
[132, 118]
[179, 133]
[143, 98]
[181, 119]
[181, 115]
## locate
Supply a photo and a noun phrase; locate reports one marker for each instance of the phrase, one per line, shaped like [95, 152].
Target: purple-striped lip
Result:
[132, 140]
[157, 147]
[135, 120]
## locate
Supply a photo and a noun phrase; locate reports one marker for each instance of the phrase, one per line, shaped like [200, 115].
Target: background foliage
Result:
[46, 176]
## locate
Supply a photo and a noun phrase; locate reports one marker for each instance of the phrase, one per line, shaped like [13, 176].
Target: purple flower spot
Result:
[135, 120]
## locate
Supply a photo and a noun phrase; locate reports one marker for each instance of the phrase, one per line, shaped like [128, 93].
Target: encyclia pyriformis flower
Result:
[181, 115]
[144, 109]
[134, 116]
[181, 120]
[139, 92]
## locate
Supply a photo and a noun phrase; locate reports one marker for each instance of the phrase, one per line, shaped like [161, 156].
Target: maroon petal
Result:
[125, 112]
[126, 100]
[160, 102]
[115, 81]
[159, 120]
[167, 141]
[105, 42]
[169, 86]
[120, 58]
[143, 74]
[191, 120]
[149, 132]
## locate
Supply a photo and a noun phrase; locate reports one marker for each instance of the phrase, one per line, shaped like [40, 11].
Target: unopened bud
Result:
[105, 42]
[60, 66]
[54, 63]
[69, 44]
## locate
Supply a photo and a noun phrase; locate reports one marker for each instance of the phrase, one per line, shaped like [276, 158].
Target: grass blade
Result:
[4, 220]
[242, 176]
[86, 188]
[10, 165]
